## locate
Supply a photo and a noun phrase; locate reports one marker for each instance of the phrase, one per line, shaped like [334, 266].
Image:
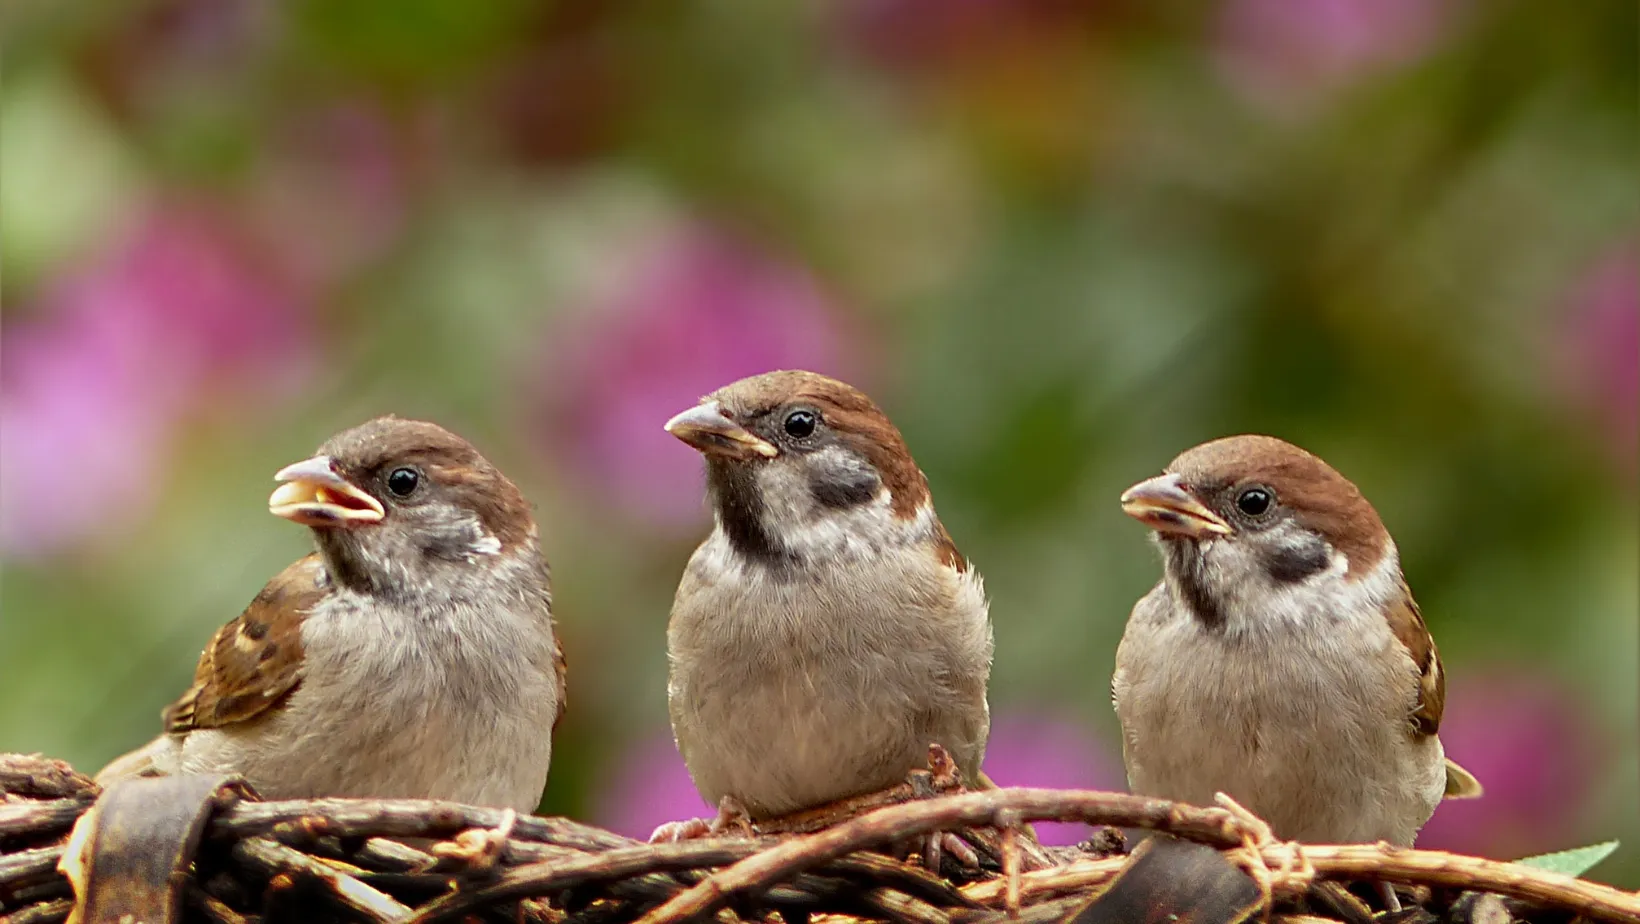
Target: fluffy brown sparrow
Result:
[1281, 659]
[413, 656]
[827, 631]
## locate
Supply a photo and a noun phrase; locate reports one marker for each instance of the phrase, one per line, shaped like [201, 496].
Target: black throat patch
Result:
[739, 505]
[1186, 562]
[348, 565]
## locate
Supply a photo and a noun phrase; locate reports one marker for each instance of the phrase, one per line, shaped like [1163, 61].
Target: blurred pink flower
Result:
[1603, 348]
[93, 381]
[694, 312]
[1532, 747]
[1288, 54]
[649, 788]
[1043, 749]
[652, 786]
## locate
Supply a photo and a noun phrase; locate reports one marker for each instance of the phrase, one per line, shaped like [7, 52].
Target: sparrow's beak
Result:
[706, 428]
[314, 495]
[1163, 504]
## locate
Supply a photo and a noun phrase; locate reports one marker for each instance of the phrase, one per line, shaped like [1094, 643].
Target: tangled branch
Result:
[426, 862]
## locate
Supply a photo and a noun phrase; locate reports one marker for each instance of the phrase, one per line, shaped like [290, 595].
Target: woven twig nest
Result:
[203, 850]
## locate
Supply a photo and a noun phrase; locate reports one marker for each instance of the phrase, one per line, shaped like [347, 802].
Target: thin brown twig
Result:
[294, 820]
[39, 819]
[213, 908]
[539, 878]
[28, 864]
[1010, 862]
[275, 858]
[915, 881]
[43, 913]
[38, 777]
[898, 906]
[392, 854]
[1076, 876]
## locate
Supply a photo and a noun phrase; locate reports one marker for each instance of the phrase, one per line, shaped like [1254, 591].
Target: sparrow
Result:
[828, 631]
[1281, 659]
[412, 656]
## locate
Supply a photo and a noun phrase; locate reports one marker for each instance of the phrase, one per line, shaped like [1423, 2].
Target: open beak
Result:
[312, 494]
[1165, 505]
[709, 430]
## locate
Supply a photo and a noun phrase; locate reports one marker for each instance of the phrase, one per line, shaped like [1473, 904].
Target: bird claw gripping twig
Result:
[478, 850]
[942, 776]
[732, 818]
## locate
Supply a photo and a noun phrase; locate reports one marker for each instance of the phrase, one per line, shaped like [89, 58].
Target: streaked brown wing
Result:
[1408, 625]
[255, 661]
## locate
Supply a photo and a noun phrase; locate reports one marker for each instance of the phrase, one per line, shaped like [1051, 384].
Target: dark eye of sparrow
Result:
[403, 481]
[1254, 501]
[800, 424]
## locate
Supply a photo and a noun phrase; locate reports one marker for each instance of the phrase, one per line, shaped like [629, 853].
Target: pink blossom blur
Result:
[96, 377]
[695, 310]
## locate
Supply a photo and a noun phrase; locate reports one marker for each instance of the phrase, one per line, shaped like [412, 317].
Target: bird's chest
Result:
[792, 693]
[825, 653]
[453, 705]
[1307, 726]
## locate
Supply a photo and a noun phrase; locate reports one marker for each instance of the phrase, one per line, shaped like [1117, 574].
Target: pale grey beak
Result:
[710, 431]
[313, 494]
[1164, 504]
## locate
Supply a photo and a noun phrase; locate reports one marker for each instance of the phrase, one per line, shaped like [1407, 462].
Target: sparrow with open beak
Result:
[827, 631]
[1281, 659]
[414, 656]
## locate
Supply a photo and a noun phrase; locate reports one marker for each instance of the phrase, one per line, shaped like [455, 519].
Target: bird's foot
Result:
[936, 844]
[732, 818]
[477, 850]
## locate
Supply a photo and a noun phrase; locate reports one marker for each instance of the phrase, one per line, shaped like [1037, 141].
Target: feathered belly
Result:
[785, 746]
[1292, 737]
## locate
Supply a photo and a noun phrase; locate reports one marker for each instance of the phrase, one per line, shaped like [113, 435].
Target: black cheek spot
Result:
[847, 488]
[269, 651]
[1291, 564]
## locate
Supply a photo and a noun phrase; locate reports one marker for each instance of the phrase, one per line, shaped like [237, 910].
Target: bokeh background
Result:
[1060, 241]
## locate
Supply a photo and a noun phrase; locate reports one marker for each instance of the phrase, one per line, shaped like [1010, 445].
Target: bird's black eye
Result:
[1254, 501]
[800, 424]
[403, 481]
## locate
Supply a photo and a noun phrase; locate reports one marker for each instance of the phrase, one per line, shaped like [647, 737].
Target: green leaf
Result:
[1574, 862]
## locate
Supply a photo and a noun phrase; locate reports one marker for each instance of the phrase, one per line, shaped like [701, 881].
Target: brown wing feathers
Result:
[1408, 625]
[254, 661]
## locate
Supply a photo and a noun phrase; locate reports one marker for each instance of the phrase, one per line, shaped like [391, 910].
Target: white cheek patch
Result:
[1254, 603]
[487, 545]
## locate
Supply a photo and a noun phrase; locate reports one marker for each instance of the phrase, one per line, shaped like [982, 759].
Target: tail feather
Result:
[1461, 784]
